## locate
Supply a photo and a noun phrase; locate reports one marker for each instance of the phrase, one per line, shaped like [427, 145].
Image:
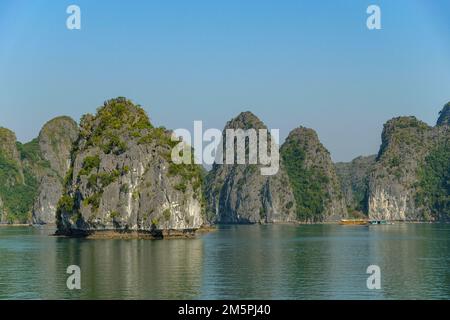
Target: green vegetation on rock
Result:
[31, 152]
[408, 181]
[89, 163]
[17, 195]
[32, 174]
[434, 182]
[308, 185]
[444, 116]
[66, 204]
[313, 178]
[19, 179]
[122, 175]
[115, 117]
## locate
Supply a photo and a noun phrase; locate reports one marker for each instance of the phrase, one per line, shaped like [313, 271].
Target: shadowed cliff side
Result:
[313, 177]
[239, 193]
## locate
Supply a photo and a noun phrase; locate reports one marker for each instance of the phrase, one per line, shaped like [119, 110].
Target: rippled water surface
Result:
[234, 262]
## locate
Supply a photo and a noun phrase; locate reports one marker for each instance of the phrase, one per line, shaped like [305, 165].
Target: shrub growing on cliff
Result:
[181, 187]
[114, 145]
[108, 178]
[89, 163]
[116, 115]
[93, 201]
[166, 214]
[188, 173]
[66, 203]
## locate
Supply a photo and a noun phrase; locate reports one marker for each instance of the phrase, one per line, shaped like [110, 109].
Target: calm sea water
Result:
[234, 262]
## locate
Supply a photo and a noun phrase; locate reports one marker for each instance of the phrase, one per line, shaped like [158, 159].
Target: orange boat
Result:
[354, 222]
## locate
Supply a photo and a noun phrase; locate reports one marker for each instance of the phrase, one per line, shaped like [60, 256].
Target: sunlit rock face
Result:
[409, 180]
[239, 193]
[55, 144]
[122, 177]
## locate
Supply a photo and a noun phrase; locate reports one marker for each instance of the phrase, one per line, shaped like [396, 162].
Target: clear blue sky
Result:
[310, 63]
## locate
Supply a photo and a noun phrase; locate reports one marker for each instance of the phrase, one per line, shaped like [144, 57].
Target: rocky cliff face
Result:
[444, 116]
[122, 178]
[55, 143]
[8, 148]
[354, 180]
[239, 193]
[12, 180]
[313, 177]
[410, 153]
[32, 174]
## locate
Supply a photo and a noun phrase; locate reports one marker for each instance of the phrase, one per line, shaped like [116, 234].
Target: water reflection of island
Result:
[137, 269]
[236, 262]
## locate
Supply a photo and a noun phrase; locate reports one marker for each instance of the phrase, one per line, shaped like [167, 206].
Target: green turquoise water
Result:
[234, 262]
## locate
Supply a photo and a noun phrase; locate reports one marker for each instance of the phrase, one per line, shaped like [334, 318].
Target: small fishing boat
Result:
[375, 222]
[354, 222]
